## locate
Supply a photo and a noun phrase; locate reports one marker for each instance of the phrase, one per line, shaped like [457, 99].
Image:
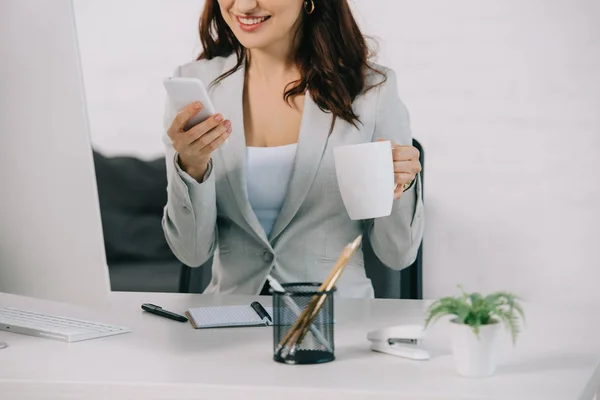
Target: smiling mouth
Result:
[252, 21]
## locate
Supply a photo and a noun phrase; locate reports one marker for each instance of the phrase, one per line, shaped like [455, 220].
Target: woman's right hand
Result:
[195, 145]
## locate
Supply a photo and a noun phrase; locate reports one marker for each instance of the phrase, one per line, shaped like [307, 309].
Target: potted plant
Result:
[474, 327]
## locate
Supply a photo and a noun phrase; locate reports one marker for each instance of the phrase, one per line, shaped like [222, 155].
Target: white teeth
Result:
[252, 21]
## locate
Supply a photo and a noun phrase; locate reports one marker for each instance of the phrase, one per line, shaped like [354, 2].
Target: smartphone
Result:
[183, 91]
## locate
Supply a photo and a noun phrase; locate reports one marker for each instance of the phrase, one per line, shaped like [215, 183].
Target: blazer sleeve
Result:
[395, 239]
[189, 218]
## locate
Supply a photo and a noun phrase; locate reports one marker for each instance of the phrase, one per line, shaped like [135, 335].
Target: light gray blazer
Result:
[214, 218]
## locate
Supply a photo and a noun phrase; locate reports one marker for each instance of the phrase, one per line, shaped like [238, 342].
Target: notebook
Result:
[230, 316]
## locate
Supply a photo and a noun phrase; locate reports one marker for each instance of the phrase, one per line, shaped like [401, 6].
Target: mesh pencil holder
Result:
[316, 343]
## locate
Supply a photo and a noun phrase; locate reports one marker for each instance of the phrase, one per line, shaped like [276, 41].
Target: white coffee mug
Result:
[365, 175]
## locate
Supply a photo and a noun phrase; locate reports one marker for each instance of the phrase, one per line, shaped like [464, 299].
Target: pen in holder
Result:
[291, 347]
[317, 345]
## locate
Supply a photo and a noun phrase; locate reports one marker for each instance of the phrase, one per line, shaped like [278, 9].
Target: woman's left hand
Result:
[406, 166]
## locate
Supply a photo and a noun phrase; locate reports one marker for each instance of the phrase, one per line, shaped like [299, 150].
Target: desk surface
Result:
[557, 357]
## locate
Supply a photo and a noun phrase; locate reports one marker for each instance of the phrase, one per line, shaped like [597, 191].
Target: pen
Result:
[260, 310]
[274, 284]
[157, 310]
[297, 311]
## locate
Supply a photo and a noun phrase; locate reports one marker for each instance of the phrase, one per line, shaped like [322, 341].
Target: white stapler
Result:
[402, 341]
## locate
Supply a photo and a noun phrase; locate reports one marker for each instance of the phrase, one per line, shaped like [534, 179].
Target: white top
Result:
[555, 358]
[269, 170]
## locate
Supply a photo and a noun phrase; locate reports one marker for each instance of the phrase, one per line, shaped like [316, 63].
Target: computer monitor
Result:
[51, 240]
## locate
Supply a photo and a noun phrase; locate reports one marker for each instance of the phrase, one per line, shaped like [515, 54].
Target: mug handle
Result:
[395, 184]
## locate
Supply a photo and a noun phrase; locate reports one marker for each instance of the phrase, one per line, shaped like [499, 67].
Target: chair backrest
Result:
[388, 283]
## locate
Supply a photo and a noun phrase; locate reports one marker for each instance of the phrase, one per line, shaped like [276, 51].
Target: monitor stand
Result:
[3, 345]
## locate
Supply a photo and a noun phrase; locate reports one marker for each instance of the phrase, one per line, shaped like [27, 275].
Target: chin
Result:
[253, 43]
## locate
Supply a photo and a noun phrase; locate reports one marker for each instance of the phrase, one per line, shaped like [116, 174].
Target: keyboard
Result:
[54, 327]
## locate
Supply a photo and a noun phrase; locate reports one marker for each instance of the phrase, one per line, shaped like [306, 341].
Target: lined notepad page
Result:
[224, 316]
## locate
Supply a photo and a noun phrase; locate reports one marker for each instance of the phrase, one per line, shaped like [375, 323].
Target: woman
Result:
[255, 185]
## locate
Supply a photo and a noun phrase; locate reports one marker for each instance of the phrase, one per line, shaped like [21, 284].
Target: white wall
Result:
[127, 48]
[505, 97]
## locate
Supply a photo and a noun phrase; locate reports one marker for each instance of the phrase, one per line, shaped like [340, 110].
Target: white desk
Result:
[557, 357]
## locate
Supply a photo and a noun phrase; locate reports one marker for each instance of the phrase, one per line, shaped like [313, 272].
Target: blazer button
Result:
[268, 257]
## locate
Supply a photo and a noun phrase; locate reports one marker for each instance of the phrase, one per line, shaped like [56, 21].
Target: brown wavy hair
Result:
[332, 55]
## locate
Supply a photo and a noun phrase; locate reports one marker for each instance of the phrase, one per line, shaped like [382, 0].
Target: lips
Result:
[252, 22]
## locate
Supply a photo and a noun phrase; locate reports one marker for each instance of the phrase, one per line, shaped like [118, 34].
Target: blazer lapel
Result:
[312, 140]
[228, 96]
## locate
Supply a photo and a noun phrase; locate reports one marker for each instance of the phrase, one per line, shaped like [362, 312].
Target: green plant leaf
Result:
[462, 312]
[476, 299]
[475, 327]
[511, 321]
[506, 300]
[464, 295]
[442, 307]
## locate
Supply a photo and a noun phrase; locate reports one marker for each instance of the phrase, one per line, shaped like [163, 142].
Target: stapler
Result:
[402, 340]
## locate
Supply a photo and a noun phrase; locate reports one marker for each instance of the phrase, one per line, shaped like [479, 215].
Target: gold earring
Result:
[312, 6]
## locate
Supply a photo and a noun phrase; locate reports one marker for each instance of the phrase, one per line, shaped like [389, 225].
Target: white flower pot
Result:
[474, 356]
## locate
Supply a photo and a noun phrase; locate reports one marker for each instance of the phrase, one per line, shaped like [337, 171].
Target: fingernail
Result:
[227, 124]
[219, 118]
[196, 106]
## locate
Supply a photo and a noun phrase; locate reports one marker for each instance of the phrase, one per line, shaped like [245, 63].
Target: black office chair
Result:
[387, 283]
[195, 280]
[185, 277]
[411, 278]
